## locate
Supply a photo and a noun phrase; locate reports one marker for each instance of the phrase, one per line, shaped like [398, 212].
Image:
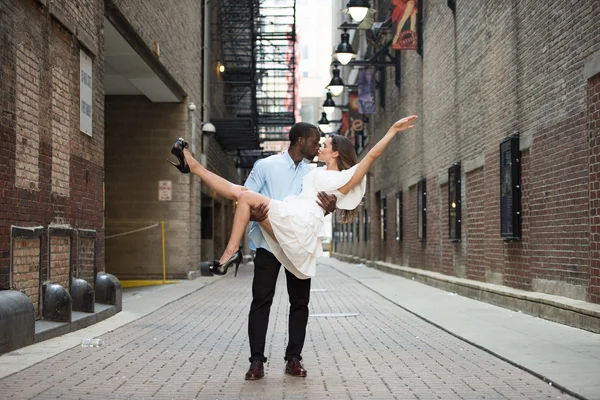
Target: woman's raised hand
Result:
[404, 123]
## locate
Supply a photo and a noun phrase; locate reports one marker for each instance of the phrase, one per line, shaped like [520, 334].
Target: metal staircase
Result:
[258, 42]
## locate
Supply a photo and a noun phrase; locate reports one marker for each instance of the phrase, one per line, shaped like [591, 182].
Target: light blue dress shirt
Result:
[275, 177]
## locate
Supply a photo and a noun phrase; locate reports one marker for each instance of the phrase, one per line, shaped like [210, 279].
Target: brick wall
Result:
[50, 171]
[594, 157]
[559, 205]
[62, 71]
[416, 248]
[446, 257]
[60, 261]
[474, 222]
[85, 260]
[26, 269]
[27, 118]
[488, 71]
[517, 259]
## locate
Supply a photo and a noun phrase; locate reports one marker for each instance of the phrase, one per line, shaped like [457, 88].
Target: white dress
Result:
[298, 221]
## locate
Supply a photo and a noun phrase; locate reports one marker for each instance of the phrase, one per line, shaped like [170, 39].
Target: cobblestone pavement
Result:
[196, 348]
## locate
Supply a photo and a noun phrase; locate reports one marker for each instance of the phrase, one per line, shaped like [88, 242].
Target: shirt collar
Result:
[290, 162]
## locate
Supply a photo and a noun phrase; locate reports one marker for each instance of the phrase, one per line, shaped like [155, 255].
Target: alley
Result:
[359, 345]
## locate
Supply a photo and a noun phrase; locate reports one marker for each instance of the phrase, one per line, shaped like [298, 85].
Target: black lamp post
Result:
[324, 122]
[329, 104]
[337, 84]
[344, 52]
[358, 9]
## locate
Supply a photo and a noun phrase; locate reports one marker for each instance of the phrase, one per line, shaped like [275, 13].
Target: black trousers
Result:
[266, 269]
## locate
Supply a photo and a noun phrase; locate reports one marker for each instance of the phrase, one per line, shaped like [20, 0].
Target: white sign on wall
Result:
[85, 93]
[164, 190]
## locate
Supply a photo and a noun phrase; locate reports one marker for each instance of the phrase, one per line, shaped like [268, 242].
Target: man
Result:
[277, 177]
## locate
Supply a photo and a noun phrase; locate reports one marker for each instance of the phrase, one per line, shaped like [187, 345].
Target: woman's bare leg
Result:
[246, 200]
[222, 186]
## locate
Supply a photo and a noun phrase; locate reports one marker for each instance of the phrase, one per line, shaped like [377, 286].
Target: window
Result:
[422, 210]
[454, 203]
[510, 189]
[206, 228]
[399, 217]
[452, 5]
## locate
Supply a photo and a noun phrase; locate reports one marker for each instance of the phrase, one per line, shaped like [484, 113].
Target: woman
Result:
[294, 227]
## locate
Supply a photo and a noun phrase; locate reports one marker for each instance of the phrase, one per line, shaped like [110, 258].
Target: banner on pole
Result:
[345, 129]
[404, 19]
[356, 118]
[366, 91]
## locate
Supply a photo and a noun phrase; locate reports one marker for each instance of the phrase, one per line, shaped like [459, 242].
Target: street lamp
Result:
[324, 123]
[329, 104]
[344, 52]
[358, 9]
[337, 84]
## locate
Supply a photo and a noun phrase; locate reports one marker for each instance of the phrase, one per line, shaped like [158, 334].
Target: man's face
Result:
[310, 147]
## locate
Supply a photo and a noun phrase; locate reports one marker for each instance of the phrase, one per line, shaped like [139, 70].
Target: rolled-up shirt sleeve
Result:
[256, 179]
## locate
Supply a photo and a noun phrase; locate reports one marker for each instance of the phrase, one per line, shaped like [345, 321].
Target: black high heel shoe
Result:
[177, 151]
[221, 269]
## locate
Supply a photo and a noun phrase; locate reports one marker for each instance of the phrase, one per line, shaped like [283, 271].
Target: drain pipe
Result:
[206, 61]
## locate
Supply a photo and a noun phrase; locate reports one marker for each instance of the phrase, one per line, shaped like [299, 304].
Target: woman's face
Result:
[326, 153]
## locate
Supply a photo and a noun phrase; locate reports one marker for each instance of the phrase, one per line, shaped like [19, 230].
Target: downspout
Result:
[206, 69]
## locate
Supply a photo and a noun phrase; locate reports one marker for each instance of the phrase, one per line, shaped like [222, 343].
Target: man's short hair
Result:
[302, 129]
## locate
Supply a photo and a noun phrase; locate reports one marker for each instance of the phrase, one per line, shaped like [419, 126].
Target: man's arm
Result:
[255, 182]
[327, 202]
[256, 179]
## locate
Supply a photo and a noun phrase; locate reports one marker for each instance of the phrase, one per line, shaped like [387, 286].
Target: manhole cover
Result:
[334, 315]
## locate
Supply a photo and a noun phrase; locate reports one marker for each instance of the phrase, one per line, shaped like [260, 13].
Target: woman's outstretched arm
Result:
[376, 152]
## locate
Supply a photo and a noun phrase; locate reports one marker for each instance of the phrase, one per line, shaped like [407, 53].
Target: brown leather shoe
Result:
[256, 371]
[294, 368]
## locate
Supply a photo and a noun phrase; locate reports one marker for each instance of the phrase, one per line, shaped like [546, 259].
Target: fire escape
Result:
[258, 41]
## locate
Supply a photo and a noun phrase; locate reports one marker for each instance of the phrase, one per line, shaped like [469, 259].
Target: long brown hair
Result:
[346, 159]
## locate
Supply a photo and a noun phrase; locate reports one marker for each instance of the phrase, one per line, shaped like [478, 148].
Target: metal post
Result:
[164, 263]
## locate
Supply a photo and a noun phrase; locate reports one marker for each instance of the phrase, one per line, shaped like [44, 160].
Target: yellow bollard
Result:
[164, 263]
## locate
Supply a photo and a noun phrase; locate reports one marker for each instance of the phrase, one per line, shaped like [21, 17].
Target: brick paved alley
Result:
[196, 348]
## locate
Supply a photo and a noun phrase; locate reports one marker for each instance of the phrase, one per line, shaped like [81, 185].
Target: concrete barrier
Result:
[57, 303]
[109, 291]
[17, 320]
[82, 294]
[205, 268]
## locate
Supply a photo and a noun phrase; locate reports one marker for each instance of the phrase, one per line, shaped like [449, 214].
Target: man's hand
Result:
[327, 202]
[259, 212]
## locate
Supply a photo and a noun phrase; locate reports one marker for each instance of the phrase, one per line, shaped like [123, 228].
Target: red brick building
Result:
[93, 96]
[489, 70]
